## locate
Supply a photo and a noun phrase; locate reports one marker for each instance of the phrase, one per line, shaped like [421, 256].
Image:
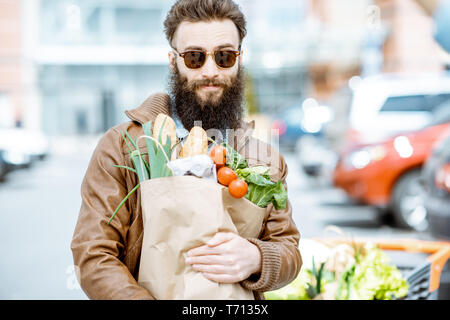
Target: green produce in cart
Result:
[367, 275]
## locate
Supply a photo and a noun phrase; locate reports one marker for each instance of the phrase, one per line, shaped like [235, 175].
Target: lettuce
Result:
[375, 278]
[370, 277]
[296, 290]
[234, 159]
[261, 190]
[258, 170]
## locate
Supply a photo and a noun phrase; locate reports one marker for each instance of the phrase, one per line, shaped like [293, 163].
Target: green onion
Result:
[158, 156]
[129, 147]
[125, 167]
[122, 202]
[141, 171]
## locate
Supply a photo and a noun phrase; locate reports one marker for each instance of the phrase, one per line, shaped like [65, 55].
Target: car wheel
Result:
[408, 202]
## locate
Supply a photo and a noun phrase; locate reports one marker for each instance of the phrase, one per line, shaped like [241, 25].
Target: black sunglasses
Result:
[196, 59]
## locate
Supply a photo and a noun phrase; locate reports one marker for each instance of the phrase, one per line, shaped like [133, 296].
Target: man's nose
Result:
[210, 69]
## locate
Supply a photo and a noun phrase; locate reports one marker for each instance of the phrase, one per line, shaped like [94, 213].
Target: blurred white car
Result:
[21, 146]
[316, 157]
[386, 105]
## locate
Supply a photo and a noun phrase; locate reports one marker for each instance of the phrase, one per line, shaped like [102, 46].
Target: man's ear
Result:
[172, 60]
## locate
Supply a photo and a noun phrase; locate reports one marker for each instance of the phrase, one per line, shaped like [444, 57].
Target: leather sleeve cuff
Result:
[270, 267]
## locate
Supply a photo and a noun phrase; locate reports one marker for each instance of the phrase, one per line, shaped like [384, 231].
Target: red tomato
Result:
[238, 188]
[225, 175]
[218, 155]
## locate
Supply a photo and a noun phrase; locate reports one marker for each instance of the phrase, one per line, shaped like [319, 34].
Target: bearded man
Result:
[206, 87]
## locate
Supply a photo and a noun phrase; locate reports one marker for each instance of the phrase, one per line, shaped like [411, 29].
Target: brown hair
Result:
[204, 10]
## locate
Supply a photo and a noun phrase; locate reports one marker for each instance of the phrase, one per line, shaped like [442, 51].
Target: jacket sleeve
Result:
[96, 246]
[278, 244]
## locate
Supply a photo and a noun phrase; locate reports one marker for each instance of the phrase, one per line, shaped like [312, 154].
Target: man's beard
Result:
[222, 113]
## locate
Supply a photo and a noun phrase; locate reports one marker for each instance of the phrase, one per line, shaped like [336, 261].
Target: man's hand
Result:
[226, 258]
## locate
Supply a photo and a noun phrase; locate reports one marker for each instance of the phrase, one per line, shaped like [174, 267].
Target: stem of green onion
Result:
[123, 201]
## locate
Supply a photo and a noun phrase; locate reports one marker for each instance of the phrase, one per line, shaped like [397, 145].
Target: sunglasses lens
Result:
[194, 59]
[225, 59]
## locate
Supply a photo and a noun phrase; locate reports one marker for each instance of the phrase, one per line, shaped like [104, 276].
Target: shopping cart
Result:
[423, 278]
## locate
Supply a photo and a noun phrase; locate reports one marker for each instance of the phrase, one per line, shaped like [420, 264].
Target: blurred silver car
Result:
[23, 146]
[387, 105]
[316, 157]
[20, 147]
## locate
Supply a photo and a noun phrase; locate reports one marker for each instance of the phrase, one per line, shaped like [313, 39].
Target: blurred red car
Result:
[387, 174]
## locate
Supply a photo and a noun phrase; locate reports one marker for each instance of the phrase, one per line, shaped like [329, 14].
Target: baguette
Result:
[196, 143]
[169, 130]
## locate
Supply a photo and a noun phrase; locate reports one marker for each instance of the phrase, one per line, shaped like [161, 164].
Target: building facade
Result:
[71, 67]
[89, 60]
[11, 79]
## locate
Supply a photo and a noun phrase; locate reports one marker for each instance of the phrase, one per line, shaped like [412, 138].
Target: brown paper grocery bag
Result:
[181, 213]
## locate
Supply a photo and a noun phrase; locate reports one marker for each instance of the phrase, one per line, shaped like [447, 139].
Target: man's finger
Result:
[212, 268]
[220, 238]
[221, 278]
[208, 259]
[202, 251]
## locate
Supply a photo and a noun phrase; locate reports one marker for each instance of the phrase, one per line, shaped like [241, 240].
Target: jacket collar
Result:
[160, 103]
[150, 108]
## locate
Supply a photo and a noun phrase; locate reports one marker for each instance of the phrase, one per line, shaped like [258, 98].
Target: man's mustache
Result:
[196, 84]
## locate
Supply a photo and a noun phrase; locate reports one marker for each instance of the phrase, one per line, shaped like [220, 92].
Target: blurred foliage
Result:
[250, 95]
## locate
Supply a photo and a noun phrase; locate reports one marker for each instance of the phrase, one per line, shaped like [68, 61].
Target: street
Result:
[39, 209]
[40, 206]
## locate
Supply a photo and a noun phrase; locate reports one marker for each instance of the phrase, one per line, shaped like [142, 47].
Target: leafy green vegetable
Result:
[296, 290]
[314, 290]
[279, 196]
[234, 159]
[345, 280]
[258, 180]
[262, 193]
[260, 170]
[369, 277]
[262, 190]
[306, 286]
[375, 278]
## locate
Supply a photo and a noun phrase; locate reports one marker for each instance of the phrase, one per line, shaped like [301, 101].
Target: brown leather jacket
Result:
[107, 256]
